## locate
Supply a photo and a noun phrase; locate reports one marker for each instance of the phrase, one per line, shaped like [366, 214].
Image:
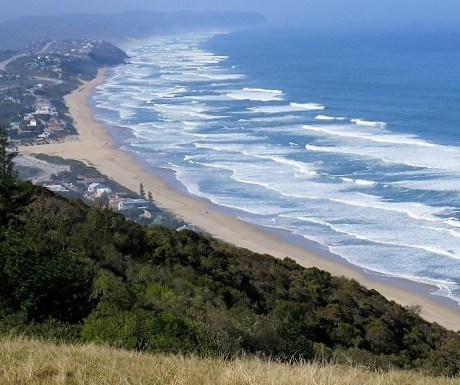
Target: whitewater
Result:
[370, 190]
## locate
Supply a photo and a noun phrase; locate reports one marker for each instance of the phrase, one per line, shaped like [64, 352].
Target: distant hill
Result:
[21, 32]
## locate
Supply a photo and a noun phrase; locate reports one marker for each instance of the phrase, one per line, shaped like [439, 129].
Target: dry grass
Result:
[32, 362]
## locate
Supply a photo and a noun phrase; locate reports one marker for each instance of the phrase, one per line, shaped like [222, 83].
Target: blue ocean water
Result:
[352, 142]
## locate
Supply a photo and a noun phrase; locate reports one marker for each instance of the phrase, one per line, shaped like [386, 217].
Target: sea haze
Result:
[352, 143]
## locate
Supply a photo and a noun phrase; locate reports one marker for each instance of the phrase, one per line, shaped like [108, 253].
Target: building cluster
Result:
[8, 80]
[100, 191]
[67, 48]
[11, 99]
[46, 63]
[96, 188]
[41, 124]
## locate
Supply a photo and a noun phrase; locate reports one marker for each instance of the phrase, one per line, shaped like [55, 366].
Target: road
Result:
[10, 60]
[53, 81]
[47, 45]
[50, 80]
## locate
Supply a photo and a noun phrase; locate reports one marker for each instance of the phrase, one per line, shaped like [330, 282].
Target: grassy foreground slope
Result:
[28, 362]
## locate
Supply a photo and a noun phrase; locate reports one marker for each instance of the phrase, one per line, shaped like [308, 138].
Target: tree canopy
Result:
[7, 172]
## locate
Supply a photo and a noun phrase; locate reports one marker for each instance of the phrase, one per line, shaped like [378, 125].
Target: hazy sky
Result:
[315, 14]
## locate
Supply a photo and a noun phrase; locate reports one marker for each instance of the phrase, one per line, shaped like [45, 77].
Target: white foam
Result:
[242, 139]
[368, 123]
[441, 183]
[324, 117]
[304, 168]
[190, 124]
[453, 222]
[185, 112]
[430, 241]
[359, 182]
[374, 136]
[256, 94]
[292, 107]
[441, 158]
[273, 120]
[222, 76]
[126, 113]
[169, 93]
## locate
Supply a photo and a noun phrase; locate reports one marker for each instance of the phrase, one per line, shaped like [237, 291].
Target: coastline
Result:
[95, 147]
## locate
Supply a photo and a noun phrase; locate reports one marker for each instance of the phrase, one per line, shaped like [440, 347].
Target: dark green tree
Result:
[150, 195]
[141, 190]
[7, 173]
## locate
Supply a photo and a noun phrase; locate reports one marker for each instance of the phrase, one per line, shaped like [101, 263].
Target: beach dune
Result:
[95, 147]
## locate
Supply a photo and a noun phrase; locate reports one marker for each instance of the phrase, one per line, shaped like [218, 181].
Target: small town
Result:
[34, 81]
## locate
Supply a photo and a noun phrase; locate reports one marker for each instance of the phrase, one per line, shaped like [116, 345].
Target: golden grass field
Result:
[27, 362]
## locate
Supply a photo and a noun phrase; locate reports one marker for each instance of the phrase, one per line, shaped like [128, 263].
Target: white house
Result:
[186, 227]
[94, 186]
[101, 190]
[126, 204]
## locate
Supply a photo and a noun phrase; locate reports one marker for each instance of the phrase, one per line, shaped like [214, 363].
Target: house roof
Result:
[94, 185]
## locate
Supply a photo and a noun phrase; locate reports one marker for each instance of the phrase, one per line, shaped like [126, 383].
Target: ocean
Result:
[352, 142]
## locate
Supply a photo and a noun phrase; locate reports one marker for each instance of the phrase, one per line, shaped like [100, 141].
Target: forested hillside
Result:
[74, 273]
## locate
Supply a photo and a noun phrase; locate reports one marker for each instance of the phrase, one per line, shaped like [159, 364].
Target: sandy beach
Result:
[95, 147]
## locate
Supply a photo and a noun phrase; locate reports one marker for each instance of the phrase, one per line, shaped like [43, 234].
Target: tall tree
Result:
[7, 172]
[150, 195]
[141, 190]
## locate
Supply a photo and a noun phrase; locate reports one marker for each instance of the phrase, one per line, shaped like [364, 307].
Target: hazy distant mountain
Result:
[20, 32]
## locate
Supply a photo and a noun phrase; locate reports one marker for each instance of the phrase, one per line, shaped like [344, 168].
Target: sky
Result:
[312, 14]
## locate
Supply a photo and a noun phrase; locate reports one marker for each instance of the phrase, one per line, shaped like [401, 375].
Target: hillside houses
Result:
[130, 203]
[97, 190]
[41, 124]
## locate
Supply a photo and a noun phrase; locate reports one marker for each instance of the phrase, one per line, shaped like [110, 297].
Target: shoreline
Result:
[94, 146]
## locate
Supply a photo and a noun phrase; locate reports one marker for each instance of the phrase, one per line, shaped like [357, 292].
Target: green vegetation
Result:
[106, 54]
[14, 104]
[7, 173]
[79, 274]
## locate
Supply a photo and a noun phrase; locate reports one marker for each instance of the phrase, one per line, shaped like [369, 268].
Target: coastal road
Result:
[53, 81]
[49, 80]
[5, 63]
[47, 45]
[10, 60]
